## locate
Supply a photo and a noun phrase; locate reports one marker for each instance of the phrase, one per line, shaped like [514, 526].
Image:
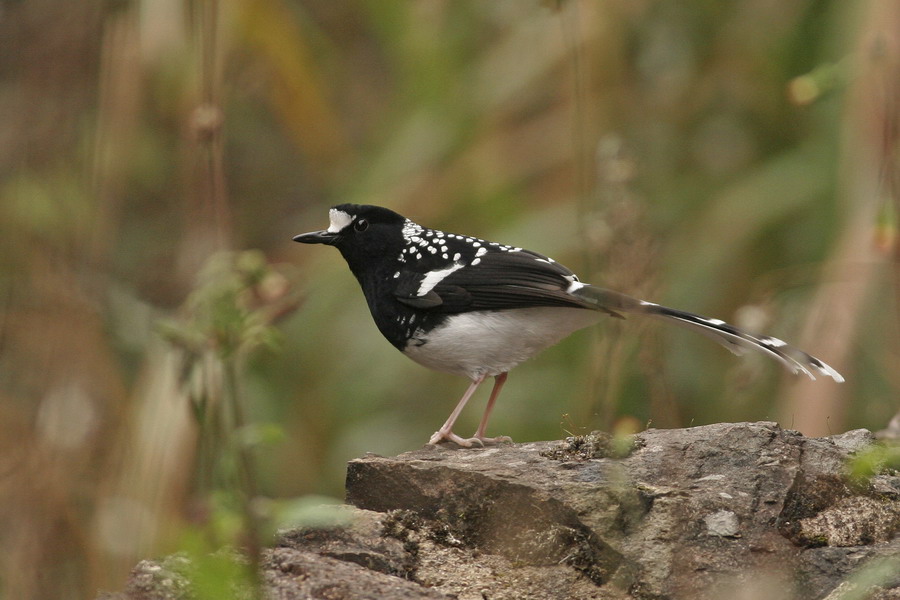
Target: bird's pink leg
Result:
[446, 430]
[499, 380]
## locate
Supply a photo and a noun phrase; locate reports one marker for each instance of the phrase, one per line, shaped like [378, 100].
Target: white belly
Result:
[493, 342]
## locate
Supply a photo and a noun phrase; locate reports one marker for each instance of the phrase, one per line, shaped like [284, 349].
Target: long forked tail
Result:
[736, 340]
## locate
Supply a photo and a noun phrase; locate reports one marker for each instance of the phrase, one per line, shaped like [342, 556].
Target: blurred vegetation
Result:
[874, 460]
[732, 158]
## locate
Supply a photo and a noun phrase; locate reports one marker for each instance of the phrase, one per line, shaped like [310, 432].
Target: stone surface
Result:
[684, 511]
[723, 523]
[743, 510]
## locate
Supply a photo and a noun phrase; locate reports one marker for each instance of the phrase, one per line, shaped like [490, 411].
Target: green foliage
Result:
[869, 579]
[213, 572]
[226, 317]
[874, 460]
[226, 313]
[306, 511]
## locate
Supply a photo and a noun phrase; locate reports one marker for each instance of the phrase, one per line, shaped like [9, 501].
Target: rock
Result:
[874, 568]
[684, 511]
[723, 523]
[352, 562]
[853, 521]
[152, 580]
[746, 509]
[364, 543]
[293, 574]
[853, 441]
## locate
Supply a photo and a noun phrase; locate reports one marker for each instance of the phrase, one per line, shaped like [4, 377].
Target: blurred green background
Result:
[733, 158]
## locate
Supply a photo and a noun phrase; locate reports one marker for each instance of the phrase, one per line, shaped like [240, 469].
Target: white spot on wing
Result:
[432, 278]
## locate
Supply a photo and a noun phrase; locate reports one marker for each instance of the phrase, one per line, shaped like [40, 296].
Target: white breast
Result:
[493, 342]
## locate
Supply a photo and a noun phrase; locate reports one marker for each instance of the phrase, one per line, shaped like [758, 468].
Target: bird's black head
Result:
[362, 233]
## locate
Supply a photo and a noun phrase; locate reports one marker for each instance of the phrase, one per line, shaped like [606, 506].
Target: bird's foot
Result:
[493, 441]
[448, 436]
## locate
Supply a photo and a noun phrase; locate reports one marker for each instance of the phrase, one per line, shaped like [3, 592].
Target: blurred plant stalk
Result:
[227, 317]
[870, 178]
[187, 467]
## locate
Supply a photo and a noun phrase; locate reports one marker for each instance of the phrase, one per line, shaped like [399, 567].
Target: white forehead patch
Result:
[339, 220]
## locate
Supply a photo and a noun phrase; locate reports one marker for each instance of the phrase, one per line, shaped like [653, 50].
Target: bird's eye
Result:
[361, 225]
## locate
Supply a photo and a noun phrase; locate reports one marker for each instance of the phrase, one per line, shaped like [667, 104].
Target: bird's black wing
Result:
[497, 280]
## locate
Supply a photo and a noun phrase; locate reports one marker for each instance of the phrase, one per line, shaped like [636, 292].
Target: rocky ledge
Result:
[747, 510]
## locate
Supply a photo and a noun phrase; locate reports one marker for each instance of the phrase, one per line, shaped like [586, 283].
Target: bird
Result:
[467, 306]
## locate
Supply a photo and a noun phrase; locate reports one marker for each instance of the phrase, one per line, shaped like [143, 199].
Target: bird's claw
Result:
[488, 441]
[449, 436]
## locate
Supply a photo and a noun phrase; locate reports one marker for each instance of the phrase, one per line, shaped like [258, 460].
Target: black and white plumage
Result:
[463, 305]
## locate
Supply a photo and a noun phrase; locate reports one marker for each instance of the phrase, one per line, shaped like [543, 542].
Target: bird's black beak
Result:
[316, 237]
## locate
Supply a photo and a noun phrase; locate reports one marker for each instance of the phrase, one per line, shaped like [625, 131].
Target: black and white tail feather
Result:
[729, 336]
